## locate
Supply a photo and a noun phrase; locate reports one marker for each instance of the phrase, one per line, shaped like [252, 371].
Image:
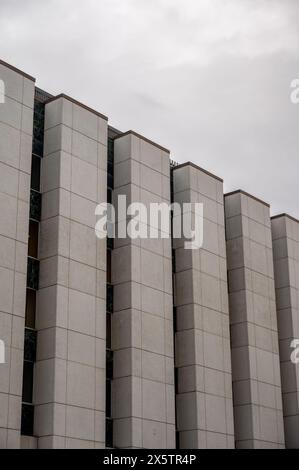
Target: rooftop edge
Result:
[15, 69]
[278, 216]
[182, 165]
[78, 103]
[240, 191]
[139, 136]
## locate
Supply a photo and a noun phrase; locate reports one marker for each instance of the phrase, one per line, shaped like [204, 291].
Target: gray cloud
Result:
[209, 79]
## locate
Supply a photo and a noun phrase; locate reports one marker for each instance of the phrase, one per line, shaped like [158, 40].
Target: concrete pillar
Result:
[142, 326]
[285, 235]
[16, 124]
[254, 338]
[69, 389]
[202, 352]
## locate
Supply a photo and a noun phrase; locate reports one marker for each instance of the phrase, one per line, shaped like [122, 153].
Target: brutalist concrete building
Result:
[135, 343]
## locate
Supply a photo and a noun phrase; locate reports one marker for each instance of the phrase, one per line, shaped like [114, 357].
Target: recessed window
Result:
[175, 319]
[109, 298]
[33, 239]
[109, 266]
[109, 364]
[177, 439]
[32, 273]
[108, 330]
[38, 128]
[173, 261]
[109, 433]
[110, 181]
[110, 243]
[35, 205]
[27, 420]
[110, 165]
[35, 173]
[176, 378]
[109, 196]
[30, 308]
[28, 382]
[30, 345]
[108, 398]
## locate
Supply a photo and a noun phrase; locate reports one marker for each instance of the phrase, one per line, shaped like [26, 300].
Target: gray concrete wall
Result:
[254, 338]
[16, 123]
[204, 399]
[142, 326]
[69, 389]
[285, 235]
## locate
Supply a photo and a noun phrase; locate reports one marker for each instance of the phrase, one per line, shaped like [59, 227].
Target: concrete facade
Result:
[135, 343]
[203, 362]
[16, 123]
[143, 407]
[285, 234]
[69, 388]
[254, 338]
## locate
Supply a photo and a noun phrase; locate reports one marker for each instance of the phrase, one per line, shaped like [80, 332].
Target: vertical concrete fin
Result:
[71, 306]
[254, 338]
[204, 385]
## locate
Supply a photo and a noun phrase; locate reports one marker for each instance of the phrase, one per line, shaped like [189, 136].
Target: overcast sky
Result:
[208, 79]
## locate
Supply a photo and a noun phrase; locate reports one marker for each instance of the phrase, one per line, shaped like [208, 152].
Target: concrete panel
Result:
[285, 235]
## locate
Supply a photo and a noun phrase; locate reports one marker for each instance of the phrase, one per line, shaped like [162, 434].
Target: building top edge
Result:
[15, 69]
[182, 165]
[78, 103]
[288, 216]
[139, 136]
[240, 191]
